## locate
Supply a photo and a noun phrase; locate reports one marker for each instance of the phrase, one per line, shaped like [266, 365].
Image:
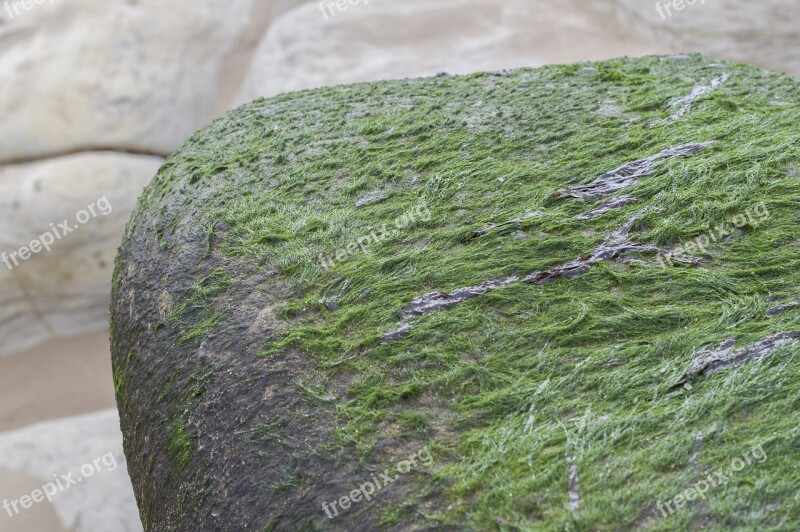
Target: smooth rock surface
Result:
[63, 291]
[103, 500]
[43, 516]
[390, 39]
[113, 74]
[761, 33]
[65, 377]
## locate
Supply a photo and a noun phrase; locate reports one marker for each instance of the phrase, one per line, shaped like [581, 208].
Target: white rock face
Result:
[315, 46]
[87, 447]
[63, 291]
[763, 33]
[387, 39]
[135, 76]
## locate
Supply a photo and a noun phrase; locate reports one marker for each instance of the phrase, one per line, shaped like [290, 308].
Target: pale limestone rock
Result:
[237, 64]
[64, 291]
[762, 33]
[134, 76]
[104, 499]
[386, 39]
[41, 517]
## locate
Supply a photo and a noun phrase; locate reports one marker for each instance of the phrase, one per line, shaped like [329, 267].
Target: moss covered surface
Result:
[248, 354]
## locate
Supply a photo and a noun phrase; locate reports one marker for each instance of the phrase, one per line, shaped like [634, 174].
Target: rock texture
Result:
[262, 378]
[94, 92]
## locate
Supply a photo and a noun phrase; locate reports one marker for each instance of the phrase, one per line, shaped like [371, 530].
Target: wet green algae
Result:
[509, 388]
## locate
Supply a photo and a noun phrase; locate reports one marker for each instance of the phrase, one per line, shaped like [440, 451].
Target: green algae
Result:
[532, 377]
[201, 301]
[180, 446]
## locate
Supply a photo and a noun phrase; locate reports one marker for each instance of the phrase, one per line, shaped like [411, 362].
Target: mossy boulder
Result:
[553, 298]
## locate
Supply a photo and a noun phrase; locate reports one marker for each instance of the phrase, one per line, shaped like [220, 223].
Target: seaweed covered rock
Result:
[561, 298]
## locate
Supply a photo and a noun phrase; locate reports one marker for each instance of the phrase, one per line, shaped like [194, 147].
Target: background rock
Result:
[759, 33]
[388, 39]
[112, 74]
[63, 291]
[101, 502]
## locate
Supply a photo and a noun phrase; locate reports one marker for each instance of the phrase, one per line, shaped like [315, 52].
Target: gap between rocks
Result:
[78, 151]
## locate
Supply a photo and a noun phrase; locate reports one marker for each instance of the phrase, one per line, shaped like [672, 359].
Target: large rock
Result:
[526, 282]
[63, 291]
[314, 46]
